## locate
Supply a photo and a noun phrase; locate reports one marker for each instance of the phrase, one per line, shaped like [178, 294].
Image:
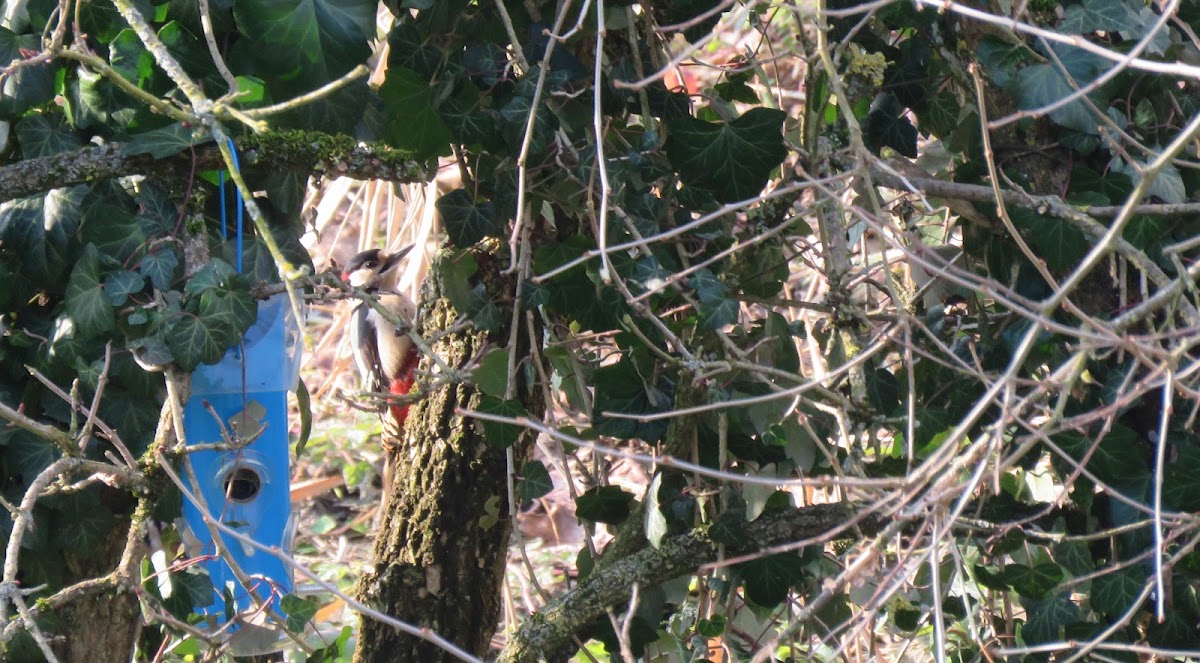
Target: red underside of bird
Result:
[402, 385]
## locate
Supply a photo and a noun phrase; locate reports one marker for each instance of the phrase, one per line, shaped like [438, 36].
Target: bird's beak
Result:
[345, 276]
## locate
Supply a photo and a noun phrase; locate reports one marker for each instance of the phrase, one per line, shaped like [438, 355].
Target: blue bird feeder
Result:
[241, 402]
[243, 397]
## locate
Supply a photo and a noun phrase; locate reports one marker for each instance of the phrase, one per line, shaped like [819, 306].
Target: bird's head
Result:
[374, 270]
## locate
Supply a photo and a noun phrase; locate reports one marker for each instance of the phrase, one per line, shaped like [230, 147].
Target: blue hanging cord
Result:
[240, 207]
[221, 190]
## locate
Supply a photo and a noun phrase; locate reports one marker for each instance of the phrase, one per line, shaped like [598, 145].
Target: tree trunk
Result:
[441, 552]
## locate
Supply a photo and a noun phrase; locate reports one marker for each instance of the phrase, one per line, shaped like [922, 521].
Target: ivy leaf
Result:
[941, 114]
[232, 312]
[1113, 592]
[317, 39]
[711, 628]
[1036, 581]
[768, 579]
[1048, 617]
[999, 60]
[730, 159]
[1116, 458]
[467, 219]
[412, 120]
[160, 267]
[1181, 485]
[27, 87]
[129, 56]
[215, 274]
[491, 376]
[1095, 16]
[655, 522]
[497, 434]
[1040, 85]
[1059, 243]
[40, 136]
[118, 286]
[1139, 23]
[1075, 557]
[81, 522]
[1168, 186]
[194, 341]
[619, 388]
[535, 481]
[163, 142]
[1175, 632]
[87, 304]
[110, 221]
[299, 611]
[887, 127]
[883, 391]
[604, 504]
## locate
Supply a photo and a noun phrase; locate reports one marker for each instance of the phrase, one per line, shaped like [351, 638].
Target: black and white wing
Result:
[364, 340]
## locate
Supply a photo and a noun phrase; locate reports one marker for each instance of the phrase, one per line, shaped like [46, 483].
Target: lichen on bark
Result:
[440, 554]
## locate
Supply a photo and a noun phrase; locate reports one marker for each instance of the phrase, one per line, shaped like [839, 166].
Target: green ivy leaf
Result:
[129, 56]
[491, 376]
[501, 435]
[768, 579]
[1096, 15]
[619, 388]
[110, 221]
[1113, 592]
[887, 126]
[711, 628]
[160, 267]
[730, 159]
[883, 391]
[1059, 243]
[1175, 632]
[87, 304]
[299, 611]
[232, 312]
[1048, 618]
[604, 504]
[655, 521]
[1116, 458]
[214, 275]
[941, 115]
[81, 521]
[466, 218]
[1036, 581]
[164, 142]
[41, 136]
[118, 286]
[194, 341]
[315, 39]
[412, 120]
[1040, 85]
[1075, 557]
[535, 481]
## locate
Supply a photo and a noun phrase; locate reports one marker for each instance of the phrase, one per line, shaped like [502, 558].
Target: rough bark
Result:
[100, 627]
[441, 551]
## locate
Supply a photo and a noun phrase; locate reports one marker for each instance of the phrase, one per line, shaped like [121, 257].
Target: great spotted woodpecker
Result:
[385, 355]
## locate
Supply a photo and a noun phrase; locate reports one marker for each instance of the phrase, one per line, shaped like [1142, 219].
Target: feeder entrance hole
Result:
[242, 484]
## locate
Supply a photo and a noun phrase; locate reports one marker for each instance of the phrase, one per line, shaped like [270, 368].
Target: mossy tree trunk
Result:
[441, 551]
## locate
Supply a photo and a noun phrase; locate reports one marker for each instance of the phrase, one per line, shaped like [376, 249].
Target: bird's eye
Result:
[371, 264]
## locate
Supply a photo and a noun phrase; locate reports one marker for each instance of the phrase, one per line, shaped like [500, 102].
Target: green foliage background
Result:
[971, 405]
